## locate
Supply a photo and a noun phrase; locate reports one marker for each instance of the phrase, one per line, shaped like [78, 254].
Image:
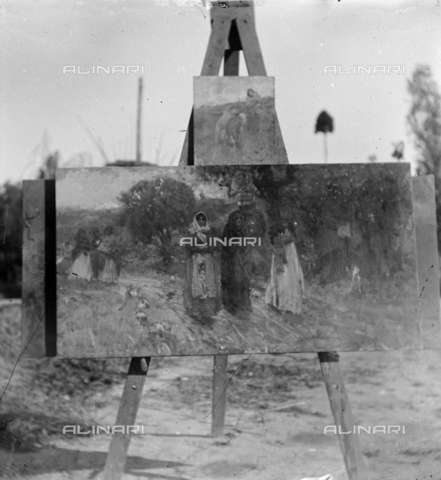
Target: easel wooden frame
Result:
[233, 30]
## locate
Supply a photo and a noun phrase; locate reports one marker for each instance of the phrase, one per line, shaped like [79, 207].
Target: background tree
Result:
[325, 125]
[398, 152]
[152, 209]
[424, 119]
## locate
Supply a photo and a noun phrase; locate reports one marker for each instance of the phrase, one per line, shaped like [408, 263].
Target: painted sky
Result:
[43, 109]
[96, 188]
[211, 91]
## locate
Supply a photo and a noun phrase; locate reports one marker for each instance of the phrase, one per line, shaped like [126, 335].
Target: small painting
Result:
[235, 259]
[234, 121]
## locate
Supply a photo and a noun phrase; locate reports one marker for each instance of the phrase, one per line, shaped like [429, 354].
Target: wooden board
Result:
[39, 274]
[428, 264]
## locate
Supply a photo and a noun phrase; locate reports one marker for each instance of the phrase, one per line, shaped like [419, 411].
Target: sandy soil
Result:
[276, 414]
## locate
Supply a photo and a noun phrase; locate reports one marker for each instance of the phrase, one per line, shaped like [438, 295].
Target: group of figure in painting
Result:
[212, 283]
[95, 259]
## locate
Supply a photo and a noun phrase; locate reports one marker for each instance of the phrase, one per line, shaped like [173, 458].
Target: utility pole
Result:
[138, 123]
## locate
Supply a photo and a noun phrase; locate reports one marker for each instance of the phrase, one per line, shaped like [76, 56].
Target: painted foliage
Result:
[235, 259]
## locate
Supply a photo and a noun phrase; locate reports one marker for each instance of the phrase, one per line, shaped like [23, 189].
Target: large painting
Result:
[235, 259]
[235, 121]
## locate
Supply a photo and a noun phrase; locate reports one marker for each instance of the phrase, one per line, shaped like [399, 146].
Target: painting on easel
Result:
[234, 120]
[235, 259]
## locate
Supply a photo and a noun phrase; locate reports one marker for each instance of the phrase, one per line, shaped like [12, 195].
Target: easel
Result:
[233, 30]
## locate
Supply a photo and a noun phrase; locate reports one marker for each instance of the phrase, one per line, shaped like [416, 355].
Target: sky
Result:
[44, 109]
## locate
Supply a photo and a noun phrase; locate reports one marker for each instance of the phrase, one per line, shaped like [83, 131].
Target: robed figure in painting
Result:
[286, 287]
[235, 281]
[81, 266]
[201, 289]
[229, 135]
[239, 261]
[253, 109]
[108, 270]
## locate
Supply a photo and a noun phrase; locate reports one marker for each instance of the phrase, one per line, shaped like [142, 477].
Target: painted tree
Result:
[424, 119]
[152, 209]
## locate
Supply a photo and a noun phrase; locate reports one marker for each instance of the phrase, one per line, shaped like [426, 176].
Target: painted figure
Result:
[220, 131]
[242, 186]
[94, 254]
[236, 130]
[96, 238]
[253, 102]
[81, 267]
[286, 287]
[201, 289]
[239, 264]
[108, 271]
[229, 136]
[235, 281]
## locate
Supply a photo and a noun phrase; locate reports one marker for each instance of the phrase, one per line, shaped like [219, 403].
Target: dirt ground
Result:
[276, 414]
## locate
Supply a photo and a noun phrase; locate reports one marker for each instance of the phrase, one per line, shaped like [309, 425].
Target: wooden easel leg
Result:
[216, 45]
[250, 46]
[231, 63]
[187, 154]
[220, 380]
[342, 415]
[128, 408]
